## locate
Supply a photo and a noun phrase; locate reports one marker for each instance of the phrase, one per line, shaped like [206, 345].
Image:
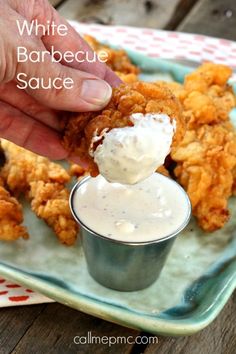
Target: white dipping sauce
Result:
[149, 210]
[130, 154]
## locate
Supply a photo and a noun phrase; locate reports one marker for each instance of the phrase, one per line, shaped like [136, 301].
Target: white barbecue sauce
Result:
[149, 210]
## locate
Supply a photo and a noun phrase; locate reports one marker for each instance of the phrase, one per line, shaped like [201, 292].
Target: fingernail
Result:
[96, 92]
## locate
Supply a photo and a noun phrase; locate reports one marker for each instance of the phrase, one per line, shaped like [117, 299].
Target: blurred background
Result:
[210, 17]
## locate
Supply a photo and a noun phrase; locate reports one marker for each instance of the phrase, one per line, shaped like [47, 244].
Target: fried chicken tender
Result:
[43, 182]
[163, 171]
[11, 217]
[49, 201]
[138, 97]
[23, 167]
[77, 170]
[205, 95]
[127, 78]
[117, 59]
[206, 157]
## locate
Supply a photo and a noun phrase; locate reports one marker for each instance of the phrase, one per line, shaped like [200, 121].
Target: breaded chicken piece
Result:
[205, 95]
[139, 97]
[163, 171]
[11, 217]
[117, 59]
[127, 78]
[49, 201]
[43, 182]
[206, 157]
[23, 167]
[77, 171]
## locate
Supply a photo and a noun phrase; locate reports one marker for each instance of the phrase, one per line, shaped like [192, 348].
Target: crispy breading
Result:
[127, 78]
[206, 157]
[38, 179]
[23, 167]
[76, 170]
[117, 59]
[138, 97]
[11, 217]
[162, 170]
[205, 95]
[49, 201]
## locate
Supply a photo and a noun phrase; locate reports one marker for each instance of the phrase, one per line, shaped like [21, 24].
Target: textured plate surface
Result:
[196, 282]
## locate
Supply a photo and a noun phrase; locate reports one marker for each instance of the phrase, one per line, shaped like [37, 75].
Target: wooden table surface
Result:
[50, 328]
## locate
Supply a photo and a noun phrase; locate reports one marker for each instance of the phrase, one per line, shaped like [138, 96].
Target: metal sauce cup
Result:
[120, 265]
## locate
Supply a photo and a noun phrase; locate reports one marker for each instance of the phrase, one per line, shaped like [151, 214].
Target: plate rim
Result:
[123, 316]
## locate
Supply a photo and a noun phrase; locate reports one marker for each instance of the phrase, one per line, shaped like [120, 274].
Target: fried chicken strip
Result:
[206, 157]
[49, 201]
[127, 78]
[138, 97]
[23, 167]
[117, 59]
[11, 217]
[43, 182]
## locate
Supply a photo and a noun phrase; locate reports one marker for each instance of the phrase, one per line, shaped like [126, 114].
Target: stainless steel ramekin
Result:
[120, 265]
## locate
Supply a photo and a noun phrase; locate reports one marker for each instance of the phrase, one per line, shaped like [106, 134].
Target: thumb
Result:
[63, 88]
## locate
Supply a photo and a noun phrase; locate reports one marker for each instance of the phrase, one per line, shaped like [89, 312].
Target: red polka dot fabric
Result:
[165, 44]
[12, 294]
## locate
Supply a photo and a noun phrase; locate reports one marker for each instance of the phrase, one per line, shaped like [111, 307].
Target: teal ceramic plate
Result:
[196, 282]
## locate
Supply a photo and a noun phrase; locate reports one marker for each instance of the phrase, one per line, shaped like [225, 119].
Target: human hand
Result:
[30, 117]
